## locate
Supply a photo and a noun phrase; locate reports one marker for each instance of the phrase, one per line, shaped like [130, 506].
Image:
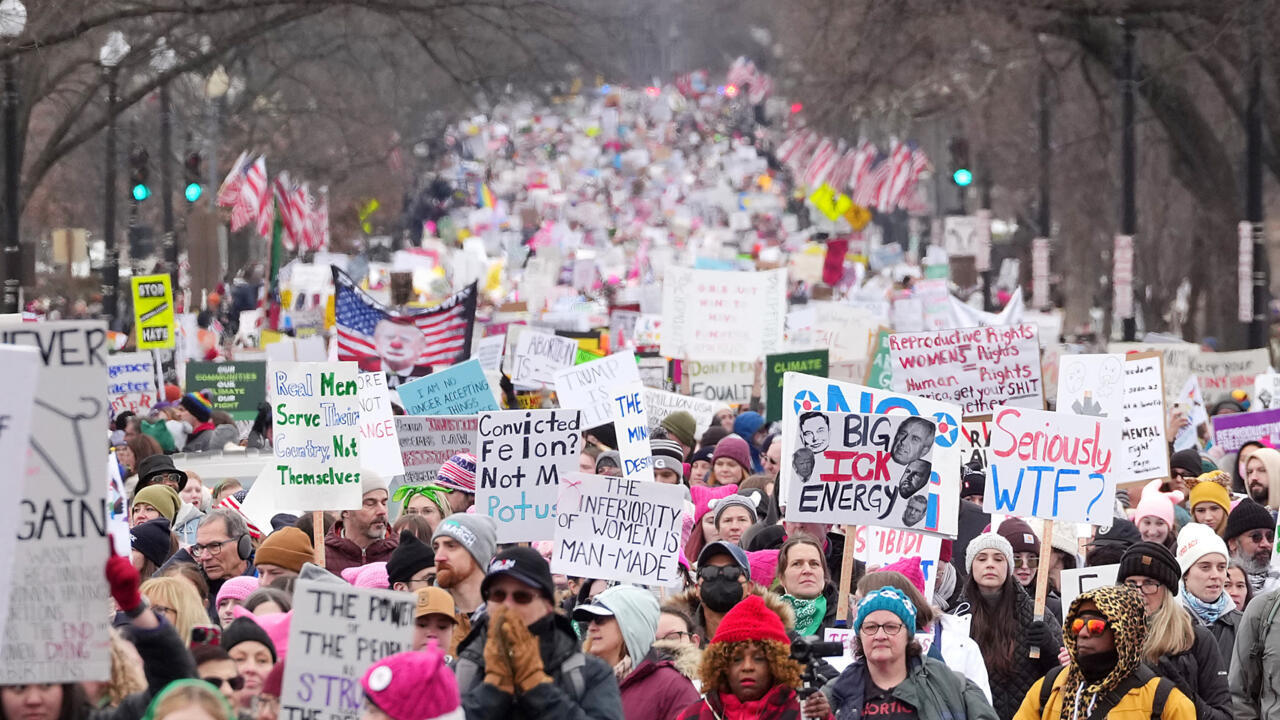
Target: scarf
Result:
[1123, 608]
[809, 613]
[623, 668]
[1207, 613]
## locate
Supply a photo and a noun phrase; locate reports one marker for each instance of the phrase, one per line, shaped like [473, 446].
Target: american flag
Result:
[229, 190]
[865, 157]
[255, 198]
[899, 176]
[447, 326]
[867, 192]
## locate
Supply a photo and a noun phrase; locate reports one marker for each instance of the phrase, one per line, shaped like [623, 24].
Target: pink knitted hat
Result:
[702, 497]
[764, 565]
[734, 448]
[373, 575]
[237, 588]
[1156, 504]
[275, 625]
[414, 686]
[910, 568]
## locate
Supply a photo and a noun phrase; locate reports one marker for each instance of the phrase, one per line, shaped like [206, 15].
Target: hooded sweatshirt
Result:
[745, 426]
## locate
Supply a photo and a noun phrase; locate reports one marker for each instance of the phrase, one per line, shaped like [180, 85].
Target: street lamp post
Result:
[110, 57]
[162, 61]
[13, 20]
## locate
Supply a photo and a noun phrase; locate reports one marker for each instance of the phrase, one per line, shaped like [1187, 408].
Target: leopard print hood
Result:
[1124, 610]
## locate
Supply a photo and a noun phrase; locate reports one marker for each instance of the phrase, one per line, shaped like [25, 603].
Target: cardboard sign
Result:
[1233, 430]
[316, 434]
[57, 628]
[238, 387]
[591, 386]
[722, 315]
[813, 363]
[658, 404]
[1146, 447]
[1222, 372]
[863, 469]
[1080, 580]
[1091, 385]
[539, 355]
[131, 383]
[723, 382]
[877, 547]
[336, 633]
[152, 311]
[1053, 465]
[379, 448]
[880, 371]
[977, 368]
[426, 443]
[1266, 392]
[520, 457]
[618, 529]
[458, 390]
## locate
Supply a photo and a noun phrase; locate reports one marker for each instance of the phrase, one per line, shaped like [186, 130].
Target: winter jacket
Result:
[1009, 687]
[780, 703]
[1224, 631]
[959, 651]
[164, 659]
[200, 439]
[657, 690]
[1135, 705]
[582, 687]
[1255, 693]
[933, 689]
[1201, 675]
[341, 553]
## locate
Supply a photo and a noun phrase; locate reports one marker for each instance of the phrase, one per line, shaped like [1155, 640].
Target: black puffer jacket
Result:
[1201, 675]
[1008, 688]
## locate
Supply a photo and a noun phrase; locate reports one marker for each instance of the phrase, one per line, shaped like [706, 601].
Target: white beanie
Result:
[370, 481]
[987, 541]
[1197, 540]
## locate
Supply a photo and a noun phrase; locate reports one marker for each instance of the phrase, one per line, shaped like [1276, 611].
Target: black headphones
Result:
[244, 546]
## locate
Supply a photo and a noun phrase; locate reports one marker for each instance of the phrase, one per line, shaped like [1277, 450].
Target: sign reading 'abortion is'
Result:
[520, 457]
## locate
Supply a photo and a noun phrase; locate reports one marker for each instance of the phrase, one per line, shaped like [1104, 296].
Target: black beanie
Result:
[152, 539]
[1150, 560]
[409, 557]
[1248, 515]
[243, 629]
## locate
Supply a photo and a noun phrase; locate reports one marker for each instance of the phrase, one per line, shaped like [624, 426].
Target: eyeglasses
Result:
[711, 572]
[214, 549]
[1093, 625]
[166, 610]
[167, 478]
[1026, 561]
[1146, 587]
[1257, 536]
[236, 683]
[873, 629]
[521, 597]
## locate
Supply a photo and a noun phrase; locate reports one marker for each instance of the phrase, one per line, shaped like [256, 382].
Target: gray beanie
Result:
[987, 541]
[729, 501]
[476, 533]
[636, 611]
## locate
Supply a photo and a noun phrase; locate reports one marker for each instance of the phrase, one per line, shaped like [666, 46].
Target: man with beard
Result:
[463, 546]
[913, 440]
[1251, 537]
[360, 536]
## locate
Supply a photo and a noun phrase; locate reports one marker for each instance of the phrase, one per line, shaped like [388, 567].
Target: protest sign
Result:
[631, 428]
[458, 390]
[723, 382]
[618, 529]
[131, 383]
[1146, 448]
[379, 449]
[722, 315]
[1091, 385]
[977, 368]
[653, 372]
[591, 386]
[1232, 430]
[880, 370]
[1192, 402]
[844, 330]
[152, 311]
[861, 469]
[877, 547]
[20, 366]
[1079, 580]
[520, 457]
[805, 393]
[489, 351]
[813, 362]
[1266, 392]
[539, 355]
[1222, 372]
[57, 629]
[426, 443]
[237, 387]
[659, 403]
[305, 349]
[336, 633]
[1053, 465]
[316, 434]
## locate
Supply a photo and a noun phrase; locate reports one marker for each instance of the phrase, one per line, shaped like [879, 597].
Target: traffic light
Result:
[961, 172]
[138, 171]
[194, 189]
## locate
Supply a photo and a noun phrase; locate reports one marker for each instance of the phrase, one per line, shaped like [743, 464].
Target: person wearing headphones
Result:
[222, 550]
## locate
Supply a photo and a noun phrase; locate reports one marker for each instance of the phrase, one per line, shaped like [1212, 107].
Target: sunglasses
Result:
[521, 597]
[236, 683]
[1030, 561]
[1095, 626]
[729, 572]
[1258, 535]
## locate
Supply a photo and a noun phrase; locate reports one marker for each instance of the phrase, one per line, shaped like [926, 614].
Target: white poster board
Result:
[590, 387]
[316, 434]
[1146, 447]
[539, 355]
[1091, 385]
[1079, 580]
[724, 382]
[131, 383]
[659, 403]
[520, 457]
[618, 529]
[723, 315]
[379, 448]
[977, 368]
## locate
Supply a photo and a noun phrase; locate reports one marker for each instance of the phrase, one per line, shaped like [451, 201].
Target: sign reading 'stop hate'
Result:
[152, 312]
[520, 457]
[977, 368]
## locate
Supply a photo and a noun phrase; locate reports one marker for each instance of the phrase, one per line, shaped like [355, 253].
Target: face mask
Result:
[720, 594]
[1096, 666]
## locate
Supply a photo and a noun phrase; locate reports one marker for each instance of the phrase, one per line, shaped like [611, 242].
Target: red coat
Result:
[340, 553]
[780, 703]
[656, 690]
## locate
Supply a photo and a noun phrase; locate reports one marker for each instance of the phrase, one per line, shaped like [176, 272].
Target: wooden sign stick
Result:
[317, 536]
[846, 574]
[1042, 577]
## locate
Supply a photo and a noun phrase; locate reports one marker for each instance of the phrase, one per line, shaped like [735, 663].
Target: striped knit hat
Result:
[458, 473]
[195, 404]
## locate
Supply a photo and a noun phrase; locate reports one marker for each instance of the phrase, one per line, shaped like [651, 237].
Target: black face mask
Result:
[720, 594]
[1096, 666]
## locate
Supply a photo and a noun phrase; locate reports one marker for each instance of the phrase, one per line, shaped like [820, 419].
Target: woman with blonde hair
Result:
[1175, 647]
[127, 677]
[178, 602]
[195, 699]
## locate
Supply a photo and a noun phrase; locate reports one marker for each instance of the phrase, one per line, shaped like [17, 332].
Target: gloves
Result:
[526, 660]
[497, 666]
[123, 578]
[1039, 635]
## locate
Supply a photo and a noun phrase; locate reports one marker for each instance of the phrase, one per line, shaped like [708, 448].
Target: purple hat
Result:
[734, 448]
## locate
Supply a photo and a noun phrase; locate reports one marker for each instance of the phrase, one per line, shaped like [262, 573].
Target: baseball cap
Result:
[434, 601]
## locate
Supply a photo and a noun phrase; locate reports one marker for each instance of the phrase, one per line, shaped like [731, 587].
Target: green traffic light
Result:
[193, 192]
[141, 192]
[962, 177]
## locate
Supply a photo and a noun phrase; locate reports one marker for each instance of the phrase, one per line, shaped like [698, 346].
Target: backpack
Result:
[1140, 677]
[1259, 642]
